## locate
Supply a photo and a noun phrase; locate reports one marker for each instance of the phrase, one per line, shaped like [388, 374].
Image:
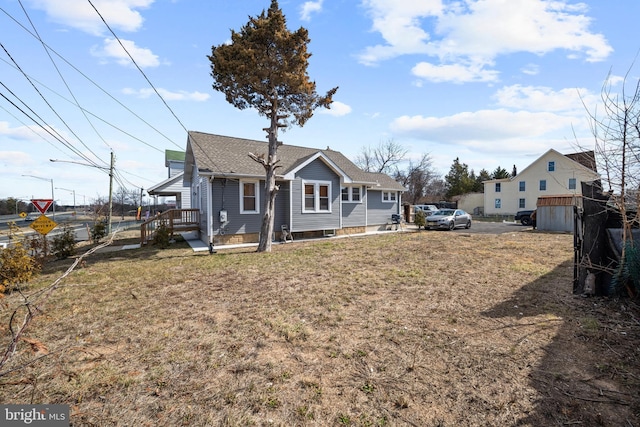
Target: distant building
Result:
[552, 174]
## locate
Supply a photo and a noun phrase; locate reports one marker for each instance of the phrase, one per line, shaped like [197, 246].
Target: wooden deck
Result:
[176, 220]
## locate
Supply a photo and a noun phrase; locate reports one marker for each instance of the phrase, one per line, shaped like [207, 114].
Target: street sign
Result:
[43, 225]
[42, 204]
[23, 214]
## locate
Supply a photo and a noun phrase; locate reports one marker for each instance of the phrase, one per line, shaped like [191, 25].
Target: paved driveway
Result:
[482, 227]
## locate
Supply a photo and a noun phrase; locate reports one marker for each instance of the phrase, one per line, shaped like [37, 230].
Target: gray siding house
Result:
[320, 191]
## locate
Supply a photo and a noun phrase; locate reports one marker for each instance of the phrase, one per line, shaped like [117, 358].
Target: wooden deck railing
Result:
[175, 220]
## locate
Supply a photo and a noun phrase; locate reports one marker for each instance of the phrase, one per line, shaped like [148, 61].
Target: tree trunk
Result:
[270, 187]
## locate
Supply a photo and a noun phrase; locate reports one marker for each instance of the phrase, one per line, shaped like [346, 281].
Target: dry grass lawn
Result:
[404, 329]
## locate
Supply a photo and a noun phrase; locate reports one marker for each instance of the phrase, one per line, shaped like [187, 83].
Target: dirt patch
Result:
[424, 329]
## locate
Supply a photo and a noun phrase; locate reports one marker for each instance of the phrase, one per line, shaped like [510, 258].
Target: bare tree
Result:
[616, 134]
[382, 158]
[416, 179]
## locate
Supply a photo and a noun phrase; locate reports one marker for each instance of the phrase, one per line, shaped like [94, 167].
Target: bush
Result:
[16, 267]
[626, 279]
[64, 244]
[420, 219]
[162, 236]
[98, 232]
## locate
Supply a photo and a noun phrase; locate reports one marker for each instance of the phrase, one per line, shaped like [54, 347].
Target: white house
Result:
[552, 174]
[173, 186]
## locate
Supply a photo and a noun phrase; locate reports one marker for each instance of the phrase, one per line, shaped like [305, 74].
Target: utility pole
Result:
[110, 194]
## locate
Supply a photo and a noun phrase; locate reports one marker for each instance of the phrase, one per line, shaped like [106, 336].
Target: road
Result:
[81, 226]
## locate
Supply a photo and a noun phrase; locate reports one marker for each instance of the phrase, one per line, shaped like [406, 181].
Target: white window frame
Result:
[522, 203]
[498, 187]
[522, 186]
[551, 166]
[543, 183]
[573, 181]
[498, 204]
[316, 196]
[350, 194]
[256, 186]
[389, 197]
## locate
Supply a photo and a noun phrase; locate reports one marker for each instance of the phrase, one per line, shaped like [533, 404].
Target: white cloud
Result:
[484, 125]
[398, 21]
[477, 31]
[168, 95]
[23, 133]
[310, 7]
[337, 109]
[15, 158]
[119, 14]
[531, 69]
[111, 49]
[539, 98]
[455, 73]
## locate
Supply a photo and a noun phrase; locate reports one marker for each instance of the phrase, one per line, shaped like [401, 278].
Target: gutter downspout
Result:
[210, 214]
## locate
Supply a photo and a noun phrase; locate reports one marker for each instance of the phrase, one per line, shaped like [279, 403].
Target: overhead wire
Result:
[91, 113]
[49, 129]
[89, 79]
[153, 87]
[35, 30]
[47, 103]
[32, 130]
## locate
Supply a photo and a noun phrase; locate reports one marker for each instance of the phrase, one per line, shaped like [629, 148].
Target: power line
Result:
[46, 102]
[151, 84]
[89, 112]
[139, 69]
[90, 80]
[63, 80]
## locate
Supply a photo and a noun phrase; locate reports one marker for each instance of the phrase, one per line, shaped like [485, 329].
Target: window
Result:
[521, 186]
[543, 185]
[551, 166]
[317, 197]
[249, 197]
[498, 203]
[572, 183]
[498, 187]
[351, 194]
[521, 204]
[355, 194]
[389, 196]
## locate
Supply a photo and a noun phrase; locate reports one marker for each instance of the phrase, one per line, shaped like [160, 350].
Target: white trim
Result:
[291, 175]
[350, 194]
[316, 196]
[389, 194]
[256, 187]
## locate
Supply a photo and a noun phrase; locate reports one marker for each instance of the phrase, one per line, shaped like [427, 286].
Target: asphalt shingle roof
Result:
[225, 155]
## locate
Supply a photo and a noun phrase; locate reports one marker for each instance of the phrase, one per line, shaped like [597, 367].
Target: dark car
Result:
[524, 217]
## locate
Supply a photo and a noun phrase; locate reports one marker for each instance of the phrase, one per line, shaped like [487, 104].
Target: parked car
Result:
[524, 217]
[427, 209]
[448, 219]
[31, 216]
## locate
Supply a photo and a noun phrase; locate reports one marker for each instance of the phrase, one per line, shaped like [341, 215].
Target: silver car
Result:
[448, 219]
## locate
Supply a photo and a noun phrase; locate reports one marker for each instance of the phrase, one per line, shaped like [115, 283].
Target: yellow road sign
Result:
[23, 214]
[43, 225]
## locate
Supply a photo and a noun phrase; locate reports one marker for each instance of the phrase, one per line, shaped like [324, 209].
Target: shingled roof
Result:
[229, 156]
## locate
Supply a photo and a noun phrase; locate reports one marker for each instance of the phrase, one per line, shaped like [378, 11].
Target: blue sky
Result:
[492, 82]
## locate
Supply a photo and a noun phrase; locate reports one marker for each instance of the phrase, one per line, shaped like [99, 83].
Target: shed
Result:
[555, 213]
